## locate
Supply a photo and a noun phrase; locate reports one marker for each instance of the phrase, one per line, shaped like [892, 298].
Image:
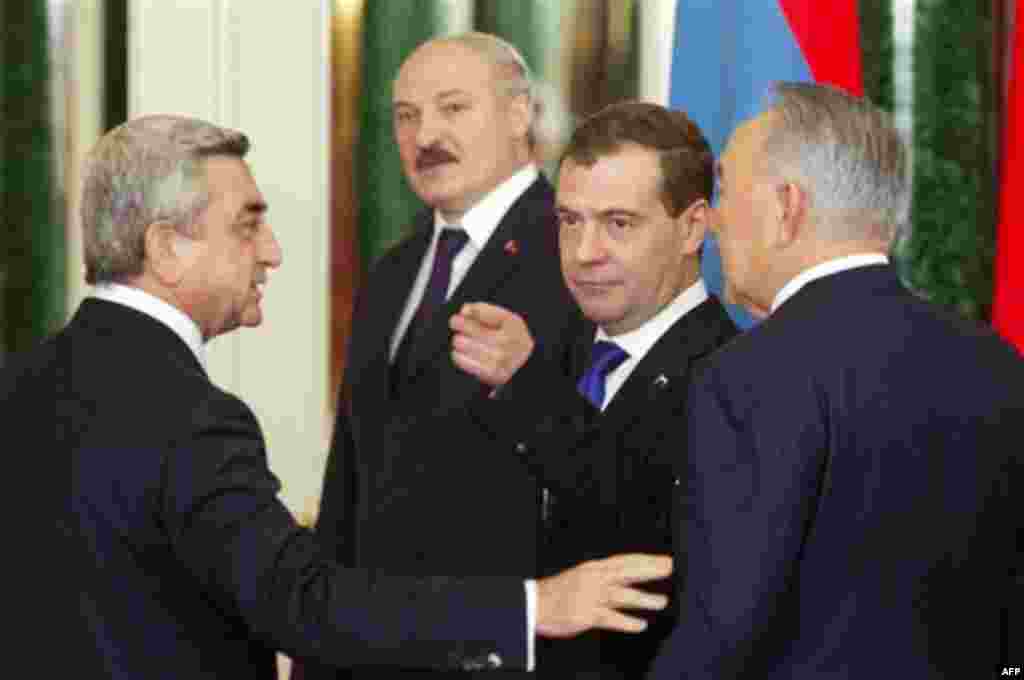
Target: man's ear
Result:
[792, 213]
[693, 224]
[522, 110]
[166, 252]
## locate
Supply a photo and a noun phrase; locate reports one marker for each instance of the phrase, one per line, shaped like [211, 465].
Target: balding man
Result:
[849, 510]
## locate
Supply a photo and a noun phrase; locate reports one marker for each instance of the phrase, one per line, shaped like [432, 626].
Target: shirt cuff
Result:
[531, 622]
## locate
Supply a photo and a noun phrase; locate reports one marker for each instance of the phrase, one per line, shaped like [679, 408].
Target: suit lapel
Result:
[660, 379]
[392, 284]
[503, 255]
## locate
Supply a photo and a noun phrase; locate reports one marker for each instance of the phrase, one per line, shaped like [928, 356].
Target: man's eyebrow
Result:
[450, 93]
[618, 212]
[252, 208]
[603, 214]
[454, 92]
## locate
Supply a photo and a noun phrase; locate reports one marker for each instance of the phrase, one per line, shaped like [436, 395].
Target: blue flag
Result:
[727, 54]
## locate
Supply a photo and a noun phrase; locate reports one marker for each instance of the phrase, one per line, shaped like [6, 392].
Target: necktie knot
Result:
[605, 357]
[451, 241]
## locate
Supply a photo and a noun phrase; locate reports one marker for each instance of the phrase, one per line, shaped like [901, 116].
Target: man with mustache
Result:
[632, 205]
[168, 553]
[412, 482]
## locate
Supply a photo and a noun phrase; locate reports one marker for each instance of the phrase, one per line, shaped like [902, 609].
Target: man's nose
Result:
[428, 131]
[589, 245]
[272, 256]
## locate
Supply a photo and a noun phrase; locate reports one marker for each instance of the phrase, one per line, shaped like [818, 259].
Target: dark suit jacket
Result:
[412, 483]
[175, 557]
[852, 463]
[610, 474]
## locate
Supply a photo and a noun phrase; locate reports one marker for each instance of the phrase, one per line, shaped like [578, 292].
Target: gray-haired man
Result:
[175, 557]
[849, 510]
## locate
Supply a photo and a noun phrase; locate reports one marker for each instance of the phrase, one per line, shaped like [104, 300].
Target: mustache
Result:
[433, 155]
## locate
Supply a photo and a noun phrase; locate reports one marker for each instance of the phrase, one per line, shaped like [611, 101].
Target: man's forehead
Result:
[625, 163]
[232, 176]
[441, 67]
[631, 174]
[226, 168]
[745, 140]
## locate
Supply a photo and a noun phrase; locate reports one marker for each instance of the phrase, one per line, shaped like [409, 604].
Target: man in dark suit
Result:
[173, 556]
[632, 205]
[853, 456]
[412, 482]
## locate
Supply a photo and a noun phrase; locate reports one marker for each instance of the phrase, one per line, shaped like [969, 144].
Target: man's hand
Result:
[591, 594]
[490, 343]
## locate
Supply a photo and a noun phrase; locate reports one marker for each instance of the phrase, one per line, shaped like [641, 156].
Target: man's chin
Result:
[252, 317]
[604, 317]
[757, 311]
[440, 194]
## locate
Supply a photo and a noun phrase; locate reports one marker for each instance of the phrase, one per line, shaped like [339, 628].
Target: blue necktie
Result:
[449, 243]
[605, 357]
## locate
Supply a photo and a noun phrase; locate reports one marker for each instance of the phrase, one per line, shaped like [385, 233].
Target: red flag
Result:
[1008, 302]
[833, 53]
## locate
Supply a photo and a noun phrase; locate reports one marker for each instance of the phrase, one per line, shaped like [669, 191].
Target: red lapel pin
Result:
[512, 247]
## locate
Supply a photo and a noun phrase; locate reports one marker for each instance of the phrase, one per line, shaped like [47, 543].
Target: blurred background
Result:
[309, 81]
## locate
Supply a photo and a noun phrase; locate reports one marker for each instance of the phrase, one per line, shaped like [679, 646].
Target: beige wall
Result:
[83, 98]
[261, 67]
[658, 17]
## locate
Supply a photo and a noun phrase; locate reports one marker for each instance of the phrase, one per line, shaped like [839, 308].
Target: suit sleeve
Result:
[336, 521]
[335, 526]
[229, 529]
[753, 479]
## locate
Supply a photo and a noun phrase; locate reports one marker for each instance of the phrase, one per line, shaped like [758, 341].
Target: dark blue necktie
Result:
[605, 357]
[449, 243]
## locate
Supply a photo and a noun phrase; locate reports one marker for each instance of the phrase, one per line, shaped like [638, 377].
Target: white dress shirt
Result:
[639, 341]
[150, 305]
[839, 264]
[479, 222]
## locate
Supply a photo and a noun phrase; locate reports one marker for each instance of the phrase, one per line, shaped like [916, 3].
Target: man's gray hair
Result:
[144, 171]
[851, 158]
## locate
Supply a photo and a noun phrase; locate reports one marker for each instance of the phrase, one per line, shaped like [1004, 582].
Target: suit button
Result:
[521, 448]
[675, 481]
[477, 663]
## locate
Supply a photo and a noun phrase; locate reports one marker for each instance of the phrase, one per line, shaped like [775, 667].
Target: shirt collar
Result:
[152, 306]
[824, 269]
[482, 219]
[639, 341]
